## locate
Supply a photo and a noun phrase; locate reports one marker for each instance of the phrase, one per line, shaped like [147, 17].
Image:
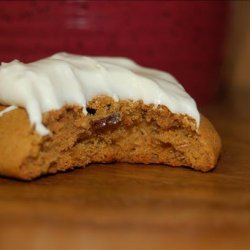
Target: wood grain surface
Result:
[125, 206]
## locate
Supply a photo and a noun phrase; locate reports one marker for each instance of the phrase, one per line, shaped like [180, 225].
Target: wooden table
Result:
[121, 206]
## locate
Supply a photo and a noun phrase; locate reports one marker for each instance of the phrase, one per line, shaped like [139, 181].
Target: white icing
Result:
[61, 79]
[6, 110]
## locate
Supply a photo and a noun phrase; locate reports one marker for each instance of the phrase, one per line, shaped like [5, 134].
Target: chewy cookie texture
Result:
[66, 111]
[110, 131]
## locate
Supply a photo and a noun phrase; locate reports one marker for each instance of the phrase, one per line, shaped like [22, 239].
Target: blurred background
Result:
[204, 44]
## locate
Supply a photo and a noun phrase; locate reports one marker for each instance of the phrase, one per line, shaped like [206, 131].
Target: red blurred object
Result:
[184, 38]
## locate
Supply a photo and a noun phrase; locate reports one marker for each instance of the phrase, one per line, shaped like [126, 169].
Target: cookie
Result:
[68, 111]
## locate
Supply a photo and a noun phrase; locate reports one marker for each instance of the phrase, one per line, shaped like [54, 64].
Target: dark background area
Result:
[184, 38]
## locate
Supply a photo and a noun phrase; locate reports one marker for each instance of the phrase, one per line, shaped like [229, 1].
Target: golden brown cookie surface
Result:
[123, 131]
